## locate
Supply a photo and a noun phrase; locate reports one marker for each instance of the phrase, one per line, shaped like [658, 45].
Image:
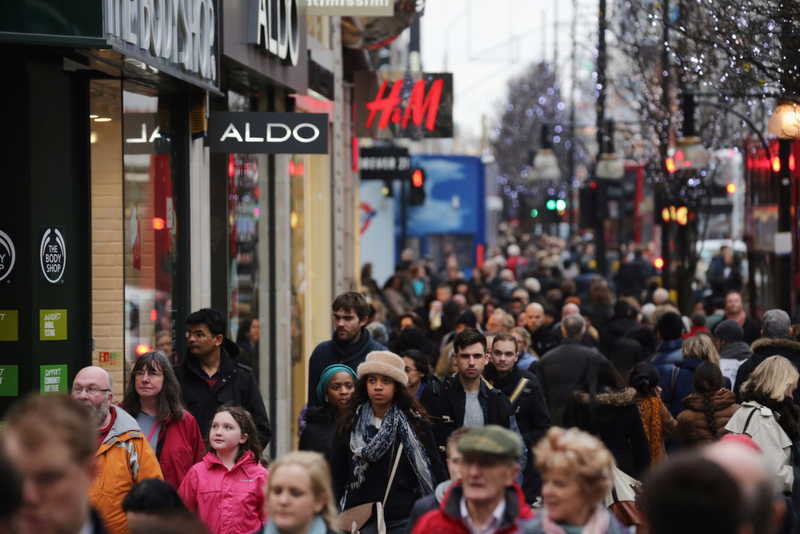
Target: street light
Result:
[545, 164]
[690, 152]
[784, 123]
[609, 165]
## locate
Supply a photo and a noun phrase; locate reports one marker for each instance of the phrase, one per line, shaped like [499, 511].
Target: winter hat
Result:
[468, 318]
[729, 331]
[385, 363]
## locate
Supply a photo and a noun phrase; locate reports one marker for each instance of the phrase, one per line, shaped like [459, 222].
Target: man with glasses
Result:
[211, 375]
[123, 456]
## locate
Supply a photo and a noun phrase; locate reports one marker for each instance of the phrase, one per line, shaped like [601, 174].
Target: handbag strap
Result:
[520, 386]
[752, 412]
[394, 470]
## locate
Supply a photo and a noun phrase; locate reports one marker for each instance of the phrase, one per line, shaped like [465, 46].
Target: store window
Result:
[243, 214]
[298, 222]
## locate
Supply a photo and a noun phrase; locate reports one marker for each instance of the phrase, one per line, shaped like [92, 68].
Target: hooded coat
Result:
[704, 418]
[235, 386]
[319, 431]
[763, 349]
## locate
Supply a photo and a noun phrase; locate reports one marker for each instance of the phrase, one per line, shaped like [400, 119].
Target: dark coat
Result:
[694, 425]
[319, 432]
[618, 424]
[405, 488]
[666, 356]
[331, 352]
[558, 370]
[763, 349]
[446, 401]
[617, 328]
[542, 340]
[236, 386]
[752, 331]
[97, 522]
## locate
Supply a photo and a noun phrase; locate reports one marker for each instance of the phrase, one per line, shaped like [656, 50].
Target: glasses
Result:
[151, 374]
[77, 390]
[198, 335]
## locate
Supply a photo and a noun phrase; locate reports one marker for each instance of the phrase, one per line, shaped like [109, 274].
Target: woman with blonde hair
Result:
[679, 384]
[769, 416]
[299, 495]
[577, 471]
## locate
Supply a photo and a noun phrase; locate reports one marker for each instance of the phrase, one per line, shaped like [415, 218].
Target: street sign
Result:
[253, 132]
[384, 164]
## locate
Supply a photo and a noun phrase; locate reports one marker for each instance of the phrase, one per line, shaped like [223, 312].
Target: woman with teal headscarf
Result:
[335, 387]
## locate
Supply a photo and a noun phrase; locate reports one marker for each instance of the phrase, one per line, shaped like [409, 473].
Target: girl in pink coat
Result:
[226, 489]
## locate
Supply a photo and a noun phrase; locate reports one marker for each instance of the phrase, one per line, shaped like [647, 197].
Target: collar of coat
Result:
[124, 428]
[613, 398]
[451, 505]
[776, 342]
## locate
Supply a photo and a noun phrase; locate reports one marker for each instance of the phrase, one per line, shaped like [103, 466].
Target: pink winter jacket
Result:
[228, 502]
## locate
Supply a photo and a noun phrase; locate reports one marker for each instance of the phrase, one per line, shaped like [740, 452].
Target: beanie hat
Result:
[729, 331]
[384, 363]
[327, 374]
[468, 318]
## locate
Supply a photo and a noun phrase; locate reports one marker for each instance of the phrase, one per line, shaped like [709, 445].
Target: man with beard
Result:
[123, 455]
[350, 344]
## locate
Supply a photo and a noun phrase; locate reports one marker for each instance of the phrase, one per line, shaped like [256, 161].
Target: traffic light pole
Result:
[599, 229]
[785, 221]
[403, 211]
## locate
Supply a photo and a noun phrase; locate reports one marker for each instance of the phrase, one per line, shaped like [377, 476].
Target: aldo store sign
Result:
[274, 27]
[52, 255]
[268, 133]
[178, 36]
[8, 256]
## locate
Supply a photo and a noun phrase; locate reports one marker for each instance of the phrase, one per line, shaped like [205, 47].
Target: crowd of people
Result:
[562, 403]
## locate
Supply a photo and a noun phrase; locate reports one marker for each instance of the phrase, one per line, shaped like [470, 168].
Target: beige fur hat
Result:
[381, 362]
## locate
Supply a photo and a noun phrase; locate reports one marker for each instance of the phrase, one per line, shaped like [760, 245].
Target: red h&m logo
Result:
[418, 105]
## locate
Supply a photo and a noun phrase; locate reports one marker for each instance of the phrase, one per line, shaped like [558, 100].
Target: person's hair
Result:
[625, 353]
[415, 319]
[213, 319]
[600, 295]
[10, 489]
[169, 401]
[701, 347]
[244, 329]
[445, 361]
[522, 331]
[247, 425]
[717, 303]
[160, 334]
[597, 374]
[574, 325]
[506, 336]
[405, 401]
[692, 495]
[154, 496]
[467, 337]
[420, 361]
[644, 379]
[776, 324]
[669, 326]
[733, 292]
[320, 474]
[578, 453]
[698, 319]
[353, 302]
[770, 379]
[37, 420]
[707, 381]
[455, 437]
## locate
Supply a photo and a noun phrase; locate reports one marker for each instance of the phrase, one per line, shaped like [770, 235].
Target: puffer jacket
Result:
[228, 502]
[763, 349]
[123, 459]
[704, 417]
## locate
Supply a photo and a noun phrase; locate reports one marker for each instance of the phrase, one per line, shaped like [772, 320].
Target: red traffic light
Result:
[416, 178]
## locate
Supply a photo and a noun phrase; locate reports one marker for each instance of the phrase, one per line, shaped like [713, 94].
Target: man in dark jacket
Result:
[776, 341]
[732, 350]
[541, 340]
[669, 329]
[350, 344]
[734, 310]
[464, 398]
[559, 369]
[211, 375]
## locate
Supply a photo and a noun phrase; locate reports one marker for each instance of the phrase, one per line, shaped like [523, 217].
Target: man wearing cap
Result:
[487, 500]
[732, 350]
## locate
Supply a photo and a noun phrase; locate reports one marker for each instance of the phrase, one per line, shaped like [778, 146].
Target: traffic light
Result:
[551, 204]
[417, 195]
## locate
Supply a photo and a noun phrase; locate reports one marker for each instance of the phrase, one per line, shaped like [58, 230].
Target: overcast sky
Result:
[486, 42]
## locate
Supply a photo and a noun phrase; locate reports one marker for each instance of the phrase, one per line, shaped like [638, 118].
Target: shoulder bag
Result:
[624, 501]
[368, 518]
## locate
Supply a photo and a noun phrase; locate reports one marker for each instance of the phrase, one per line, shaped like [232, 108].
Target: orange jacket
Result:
[123, 459]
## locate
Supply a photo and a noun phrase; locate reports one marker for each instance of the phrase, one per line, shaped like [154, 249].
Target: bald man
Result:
[765, 507]
[123, 456]
[541, 337]
[558, 334]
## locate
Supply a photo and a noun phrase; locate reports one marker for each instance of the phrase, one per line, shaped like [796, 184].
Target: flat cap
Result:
[492, 440]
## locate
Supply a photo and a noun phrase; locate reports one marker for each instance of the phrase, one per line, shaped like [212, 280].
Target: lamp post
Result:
[545, 163]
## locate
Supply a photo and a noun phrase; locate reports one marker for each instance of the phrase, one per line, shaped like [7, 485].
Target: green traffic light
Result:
[561, 205]
[534, 213]
[551, 204]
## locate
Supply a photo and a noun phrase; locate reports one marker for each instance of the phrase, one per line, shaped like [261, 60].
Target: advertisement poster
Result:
[9, 380]
[9, 325]
[53, 325]
[53, 380]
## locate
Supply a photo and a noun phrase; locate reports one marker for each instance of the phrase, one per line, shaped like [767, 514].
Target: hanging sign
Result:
[350, 8]
[384, 163]
[52, 255]
[415, 105]
[8, 256]
[268, 133]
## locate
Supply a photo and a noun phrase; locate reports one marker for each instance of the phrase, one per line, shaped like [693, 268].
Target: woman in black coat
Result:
[382, 420]
[336, 385]
[600, 405]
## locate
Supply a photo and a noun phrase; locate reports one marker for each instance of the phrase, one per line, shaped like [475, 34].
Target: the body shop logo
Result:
[7, 255]
[52, 255]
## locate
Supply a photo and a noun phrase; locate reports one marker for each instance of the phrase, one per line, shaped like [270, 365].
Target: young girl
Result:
[226, 489]
[657, 420]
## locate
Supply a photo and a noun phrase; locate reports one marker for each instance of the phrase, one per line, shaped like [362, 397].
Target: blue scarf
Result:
[318, 527]
[367, 450]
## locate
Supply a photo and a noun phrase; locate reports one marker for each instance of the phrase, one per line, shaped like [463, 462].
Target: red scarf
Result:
[739, 317]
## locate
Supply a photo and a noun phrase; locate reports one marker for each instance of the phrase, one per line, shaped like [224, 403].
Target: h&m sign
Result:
[268, 133]
[180, 35]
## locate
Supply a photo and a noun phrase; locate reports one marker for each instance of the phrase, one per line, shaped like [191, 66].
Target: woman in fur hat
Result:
[381, 421]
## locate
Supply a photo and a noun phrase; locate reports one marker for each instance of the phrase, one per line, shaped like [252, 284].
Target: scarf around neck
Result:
[367, 450]
[317, 527]
[598, 523]
[739, 317]
[651, 418]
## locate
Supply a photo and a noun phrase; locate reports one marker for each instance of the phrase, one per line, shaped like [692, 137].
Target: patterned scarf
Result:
[598, 523]
[651, 417]
[367, 450]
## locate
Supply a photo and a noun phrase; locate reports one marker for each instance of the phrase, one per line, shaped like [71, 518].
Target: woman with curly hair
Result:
[381, 421]
[657, 420]
[707, 410]
[577, 471]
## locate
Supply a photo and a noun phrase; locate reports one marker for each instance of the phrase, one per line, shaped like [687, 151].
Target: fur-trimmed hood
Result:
[625, 397]
[768, 343]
